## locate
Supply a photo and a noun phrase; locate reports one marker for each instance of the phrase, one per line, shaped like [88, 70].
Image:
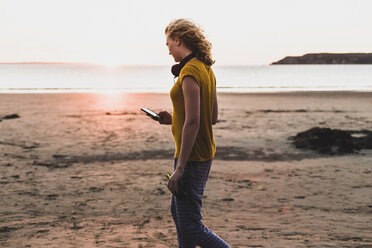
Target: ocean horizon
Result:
[59, 78]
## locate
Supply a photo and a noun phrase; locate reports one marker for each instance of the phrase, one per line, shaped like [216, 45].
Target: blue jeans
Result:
[186, 212]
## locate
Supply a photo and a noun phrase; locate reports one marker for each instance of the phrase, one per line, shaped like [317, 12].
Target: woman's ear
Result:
[178, 42]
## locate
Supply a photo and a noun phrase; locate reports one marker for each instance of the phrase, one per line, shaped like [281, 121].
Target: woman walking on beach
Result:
[195, 110]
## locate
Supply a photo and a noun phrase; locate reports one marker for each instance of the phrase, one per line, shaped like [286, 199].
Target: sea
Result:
[55, 78]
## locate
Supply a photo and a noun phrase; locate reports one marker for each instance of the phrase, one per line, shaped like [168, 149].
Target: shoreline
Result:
[262, 93]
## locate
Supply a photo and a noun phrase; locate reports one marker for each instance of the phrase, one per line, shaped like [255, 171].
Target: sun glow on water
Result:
[110, 62]
[110, 92]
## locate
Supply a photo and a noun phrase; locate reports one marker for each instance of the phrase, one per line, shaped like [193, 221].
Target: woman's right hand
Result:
[165, 118]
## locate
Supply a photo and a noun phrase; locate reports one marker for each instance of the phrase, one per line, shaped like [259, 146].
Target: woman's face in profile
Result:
[173, 46]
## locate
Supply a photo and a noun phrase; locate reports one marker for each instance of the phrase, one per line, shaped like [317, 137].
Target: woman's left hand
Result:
[173, 181]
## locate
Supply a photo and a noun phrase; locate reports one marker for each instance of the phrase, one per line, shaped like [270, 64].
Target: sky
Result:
[125, 32]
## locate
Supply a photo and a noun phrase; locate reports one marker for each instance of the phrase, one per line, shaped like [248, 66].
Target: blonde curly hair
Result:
[193, 37]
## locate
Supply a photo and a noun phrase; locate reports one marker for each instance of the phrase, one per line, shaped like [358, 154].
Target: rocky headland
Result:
[327, 58]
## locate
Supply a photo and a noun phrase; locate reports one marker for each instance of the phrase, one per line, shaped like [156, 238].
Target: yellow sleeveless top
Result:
[204, 147]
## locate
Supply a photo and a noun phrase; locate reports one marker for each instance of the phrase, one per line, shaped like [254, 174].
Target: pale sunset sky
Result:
[122, 32]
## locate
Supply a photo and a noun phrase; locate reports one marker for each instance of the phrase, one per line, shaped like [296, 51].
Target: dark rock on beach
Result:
[333, 141]
[327, 58]
[13, 116]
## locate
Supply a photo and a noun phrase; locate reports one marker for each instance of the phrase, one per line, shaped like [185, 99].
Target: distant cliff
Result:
[327, 58]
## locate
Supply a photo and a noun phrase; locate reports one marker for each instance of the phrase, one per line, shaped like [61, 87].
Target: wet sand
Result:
[88, 170]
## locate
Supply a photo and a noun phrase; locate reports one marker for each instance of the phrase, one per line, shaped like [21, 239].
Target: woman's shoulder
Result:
[193, 66]
[196, 65]
[196, 62]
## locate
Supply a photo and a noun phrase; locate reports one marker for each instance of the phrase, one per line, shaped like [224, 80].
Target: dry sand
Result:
[88, 170]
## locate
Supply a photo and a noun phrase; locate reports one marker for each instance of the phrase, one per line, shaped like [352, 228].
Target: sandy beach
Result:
[88, 170]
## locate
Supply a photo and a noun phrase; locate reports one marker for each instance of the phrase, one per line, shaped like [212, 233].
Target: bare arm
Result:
[215, 109]
[191, 93]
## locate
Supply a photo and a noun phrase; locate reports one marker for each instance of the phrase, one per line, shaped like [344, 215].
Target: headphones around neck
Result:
[176, 69]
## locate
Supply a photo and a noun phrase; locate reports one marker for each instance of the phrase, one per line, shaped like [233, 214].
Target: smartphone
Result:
[152, 114]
